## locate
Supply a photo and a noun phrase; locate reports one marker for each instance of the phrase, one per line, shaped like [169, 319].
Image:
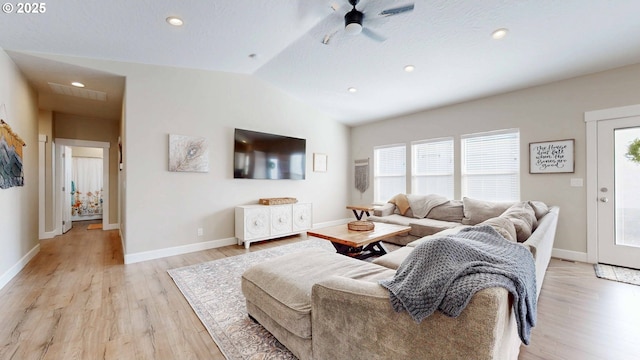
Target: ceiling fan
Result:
[353, 21]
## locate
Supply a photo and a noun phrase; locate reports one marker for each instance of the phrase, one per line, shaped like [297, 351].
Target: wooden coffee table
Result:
[359, 244]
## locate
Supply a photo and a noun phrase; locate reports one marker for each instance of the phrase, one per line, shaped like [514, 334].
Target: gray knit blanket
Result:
[445, 272]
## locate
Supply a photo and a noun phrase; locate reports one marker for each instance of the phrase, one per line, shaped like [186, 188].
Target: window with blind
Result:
[389, 174]
[491, 165]
[432, 167]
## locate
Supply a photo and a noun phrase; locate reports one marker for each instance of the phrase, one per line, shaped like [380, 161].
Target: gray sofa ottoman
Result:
[278, 291]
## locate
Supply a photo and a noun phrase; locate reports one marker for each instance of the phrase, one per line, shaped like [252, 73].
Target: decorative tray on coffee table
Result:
[361, 225]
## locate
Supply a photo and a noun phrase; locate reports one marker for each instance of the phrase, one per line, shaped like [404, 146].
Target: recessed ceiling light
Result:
[352, 90]
[499, 34]
[77, 84]
[175, 21]
[409, 68]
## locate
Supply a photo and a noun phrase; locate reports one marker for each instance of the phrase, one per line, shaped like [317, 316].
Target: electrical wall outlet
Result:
[200, 232]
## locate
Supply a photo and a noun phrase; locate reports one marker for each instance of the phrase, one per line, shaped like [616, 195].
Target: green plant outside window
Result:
[633, 153]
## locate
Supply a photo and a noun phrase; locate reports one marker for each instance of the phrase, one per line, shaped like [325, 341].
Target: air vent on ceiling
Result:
[78, 92]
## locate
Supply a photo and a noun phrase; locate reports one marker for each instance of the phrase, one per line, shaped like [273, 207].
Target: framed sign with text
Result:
[552, 157]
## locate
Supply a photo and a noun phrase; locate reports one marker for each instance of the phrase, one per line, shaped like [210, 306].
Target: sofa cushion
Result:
[523, 218]
[539, 208]
[421, 205]
[503, 226]
[446, 232]
[424, 227]
[408, 213]
[477, 211]
[393, 259]
[392, 219]
[281, 287]
[384, 210]
[452, 211]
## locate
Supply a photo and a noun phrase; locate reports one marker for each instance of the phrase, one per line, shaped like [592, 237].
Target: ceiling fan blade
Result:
[397, 10]
[373, 35]
[327, 38]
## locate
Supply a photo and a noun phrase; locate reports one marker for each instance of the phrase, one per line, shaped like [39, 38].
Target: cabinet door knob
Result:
[604, 199]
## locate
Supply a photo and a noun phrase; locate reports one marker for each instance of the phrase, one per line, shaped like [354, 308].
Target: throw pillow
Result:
[477, 211]
[539, 208]
[450, 211]
[401, 202]
[523, 218]
[503, 226]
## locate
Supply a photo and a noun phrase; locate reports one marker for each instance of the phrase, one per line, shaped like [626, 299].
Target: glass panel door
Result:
[627, 179]
[619, 192]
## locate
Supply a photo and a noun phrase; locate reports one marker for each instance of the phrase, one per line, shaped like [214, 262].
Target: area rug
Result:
[616, 273]
[94, 226]
[213, 291]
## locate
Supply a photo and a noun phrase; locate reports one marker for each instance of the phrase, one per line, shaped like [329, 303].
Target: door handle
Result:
[604, 199]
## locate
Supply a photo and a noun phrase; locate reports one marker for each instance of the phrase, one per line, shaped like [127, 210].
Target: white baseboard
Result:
[15, 269]
[569, 255]
[111, 227]
[47, 235]
[178, 250]
[331, 223]
[185, 249]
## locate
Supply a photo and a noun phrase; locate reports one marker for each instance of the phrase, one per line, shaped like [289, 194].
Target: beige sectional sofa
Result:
[448, 214]
[323, 305]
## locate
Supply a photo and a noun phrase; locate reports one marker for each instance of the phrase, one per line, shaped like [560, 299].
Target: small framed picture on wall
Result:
[319, 162]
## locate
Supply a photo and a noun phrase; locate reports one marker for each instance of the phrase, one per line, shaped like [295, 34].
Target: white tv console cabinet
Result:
[262, 222]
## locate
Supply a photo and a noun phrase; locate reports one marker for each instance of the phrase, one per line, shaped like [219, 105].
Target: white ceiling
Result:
[448, 41]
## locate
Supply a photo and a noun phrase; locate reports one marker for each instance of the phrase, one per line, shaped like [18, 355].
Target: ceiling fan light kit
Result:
[353, 20]
[353, 29]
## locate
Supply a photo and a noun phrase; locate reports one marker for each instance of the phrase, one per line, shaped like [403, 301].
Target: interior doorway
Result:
[87, 186]
[68, 195]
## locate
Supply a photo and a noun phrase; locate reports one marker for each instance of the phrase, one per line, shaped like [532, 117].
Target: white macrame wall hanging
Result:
[362, 175]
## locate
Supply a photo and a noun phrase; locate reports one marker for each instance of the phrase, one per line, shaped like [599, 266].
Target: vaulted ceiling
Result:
[281, 41]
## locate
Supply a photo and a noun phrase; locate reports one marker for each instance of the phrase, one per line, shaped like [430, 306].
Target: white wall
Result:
[19, 205]
[549, 112]
[164, 209]
[45, 127]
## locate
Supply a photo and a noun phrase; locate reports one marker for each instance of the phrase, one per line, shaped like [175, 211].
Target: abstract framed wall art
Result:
[188, 153]
[11, 171]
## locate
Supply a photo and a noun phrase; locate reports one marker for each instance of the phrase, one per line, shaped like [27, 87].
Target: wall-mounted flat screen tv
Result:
[260, 155]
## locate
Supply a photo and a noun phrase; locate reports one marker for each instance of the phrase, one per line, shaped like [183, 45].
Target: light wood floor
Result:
[76, 300]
